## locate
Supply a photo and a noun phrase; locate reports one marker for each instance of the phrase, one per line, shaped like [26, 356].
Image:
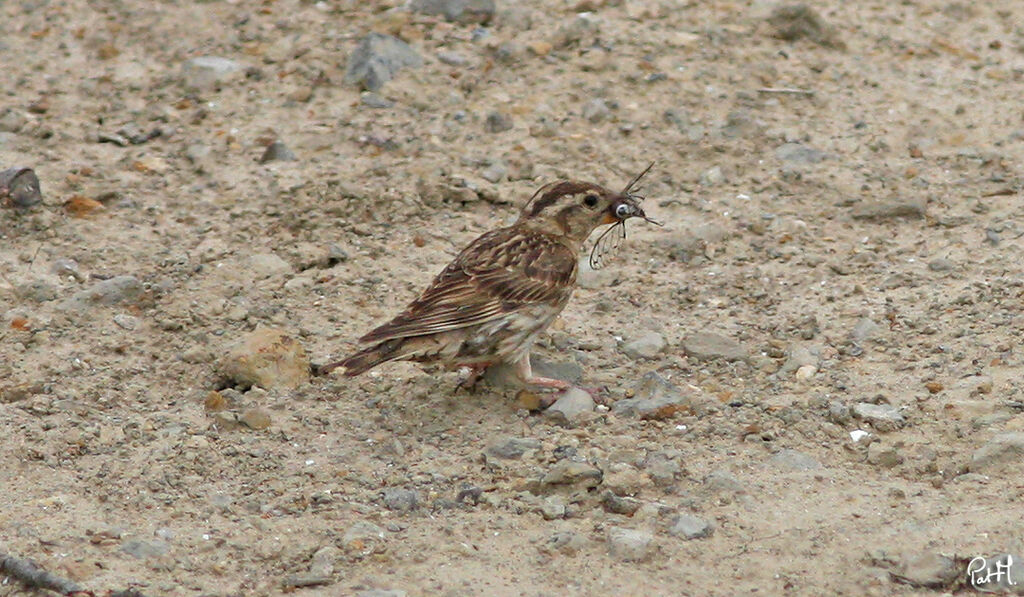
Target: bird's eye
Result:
[590, 200]
[622, 211]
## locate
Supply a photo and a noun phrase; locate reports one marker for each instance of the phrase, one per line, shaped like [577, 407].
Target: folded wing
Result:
[499, 272]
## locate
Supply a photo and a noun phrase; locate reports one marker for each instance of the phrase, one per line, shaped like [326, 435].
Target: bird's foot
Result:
[548, 383]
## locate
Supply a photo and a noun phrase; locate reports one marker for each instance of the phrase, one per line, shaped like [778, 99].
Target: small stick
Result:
[788, 90]
[34, 577]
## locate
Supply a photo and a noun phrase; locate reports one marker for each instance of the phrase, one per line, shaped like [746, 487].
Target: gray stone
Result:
[662, 468]
[883, 455]
[927, 570]
[940, 265]
[654, 398]
[712, 176]
[512, 448]
[625, 479]
[709, 346]
[890, 208]
[740, 124]
[12, 120]
[145, 549]
[401, 500]
[497, 122]
[382, 593]
[496, 172]
[571, 407]
[452, 58]
[795, 460]
[377, 59]
[20, 187]
[267, 265]
[277, 152]
[362, 539]
[800, 355]
[305, 579]
[201, 156]
[552, 508]
[798, 153]
[620, 504]
[67, 267]
[569, 472]
[720, 481]
[689, 527]
[568, 370]
[208, 72]
[125, 321]
[864, 329]
[120, 289]
[630, 545]
[373, 100]
[565, 542]
[799, 21]
[462, 11]
[1001, 453]
[37, 291]
[647, 346]
[596, 110]
[838, 413]
[883, 417]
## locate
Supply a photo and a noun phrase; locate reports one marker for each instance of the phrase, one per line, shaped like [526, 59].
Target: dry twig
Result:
[35, 577]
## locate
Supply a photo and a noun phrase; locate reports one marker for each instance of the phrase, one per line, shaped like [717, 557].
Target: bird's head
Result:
[575, 209]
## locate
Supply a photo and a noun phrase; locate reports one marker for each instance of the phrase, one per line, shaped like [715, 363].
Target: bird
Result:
[498, 295]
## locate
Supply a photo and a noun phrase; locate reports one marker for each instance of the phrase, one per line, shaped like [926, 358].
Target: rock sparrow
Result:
[503, 290]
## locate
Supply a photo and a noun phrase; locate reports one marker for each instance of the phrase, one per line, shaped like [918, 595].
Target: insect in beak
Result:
[623, 209]
[629, 207]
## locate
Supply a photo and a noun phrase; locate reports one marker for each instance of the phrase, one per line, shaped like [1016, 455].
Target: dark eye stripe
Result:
[557, 191]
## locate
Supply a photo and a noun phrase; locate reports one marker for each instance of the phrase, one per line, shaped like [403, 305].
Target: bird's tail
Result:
[365, 359]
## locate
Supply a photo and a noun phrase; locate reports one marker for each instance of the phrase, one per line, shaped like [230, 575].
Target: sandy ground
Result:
[854, 251]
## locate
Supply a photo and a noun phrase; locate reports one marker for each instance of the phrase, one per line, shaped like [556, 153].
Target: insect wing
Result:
[606, 245]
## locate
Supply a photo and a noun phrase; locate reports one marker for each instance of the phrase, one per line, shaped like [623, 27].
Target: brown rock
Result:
[255, 418]
[268, 358]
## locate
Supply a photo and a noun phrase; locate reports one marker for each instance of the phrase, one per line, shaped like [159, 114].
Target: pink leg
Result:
[525, 373]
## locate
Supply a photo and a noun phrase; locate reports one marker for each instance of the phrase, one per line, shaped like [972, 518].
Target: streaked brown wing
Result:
[495, 274]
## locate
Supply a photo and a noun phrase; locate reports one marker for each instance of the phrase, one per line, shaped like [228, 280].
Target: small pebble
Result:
[255, 418]
[377, 59]
[630, 545]
[571, 407]
[647, 346]
[277, 152]
[691, 527]
[401, 500]
[208, 72]
[497, 122]
[883, 417]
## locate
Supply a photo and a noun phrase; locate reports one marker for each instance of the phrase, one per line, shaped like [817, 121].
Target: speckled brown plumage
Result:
[490, 303]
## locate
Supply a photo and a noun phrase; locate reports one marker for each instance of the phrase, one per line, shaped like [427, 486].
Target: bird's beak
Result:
[623, 210]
